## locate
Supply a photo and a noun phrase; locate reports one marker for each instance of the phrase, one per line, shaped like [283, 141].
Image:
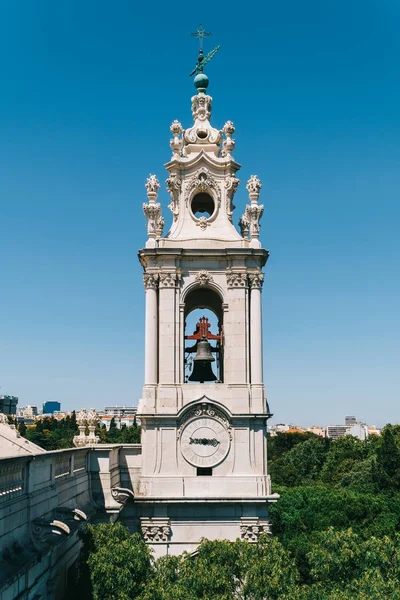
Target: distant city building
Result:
[358, 430]
[29, 412]
[334, 432]
[50, 407]
[8, 405]
[120, 411]
[349, 421]
[122, 415]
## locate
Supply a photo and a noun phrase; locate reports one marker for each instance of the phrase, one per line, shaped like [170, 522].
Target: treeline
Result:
[52, 434]
[335, 535]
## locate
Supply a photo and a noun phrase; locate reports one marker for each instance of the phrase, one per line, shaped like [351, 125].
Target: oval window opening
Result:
[203, 205]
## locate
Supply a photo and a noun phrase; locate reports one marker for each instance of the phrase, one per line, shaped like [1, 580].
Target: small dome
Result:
[201, 82]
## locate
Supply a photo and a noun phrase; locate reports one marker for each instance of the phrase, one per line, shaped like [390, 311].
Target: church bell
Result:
[202, 370]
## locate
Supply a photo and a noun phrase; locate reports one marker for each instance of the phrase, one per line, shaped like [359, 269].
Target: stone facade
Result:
[204, 486]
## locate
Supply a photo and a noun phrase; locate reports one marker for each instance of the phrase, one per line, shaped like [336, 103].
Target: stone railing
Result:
[12, 479]
[63, 466]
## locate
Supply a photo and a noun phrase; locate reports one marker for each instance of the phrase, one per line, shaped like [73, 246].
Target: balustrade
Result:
[12, 479]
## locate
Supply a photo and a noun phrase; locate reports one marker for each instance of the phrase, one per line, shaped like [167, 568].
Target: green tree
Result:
[22, 428]
[119, 563]
[302, 463]
[388, 458]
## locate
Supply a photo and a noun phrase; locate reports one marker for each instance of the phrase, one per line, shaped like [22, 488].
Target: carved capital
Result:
[236, 280]
[203, 277]
[150, 281]
[256, 280]
[169, 280]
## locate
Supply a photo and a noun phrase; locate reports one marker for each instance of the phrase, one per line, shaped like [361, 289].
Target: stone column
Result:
[151, 325]
[167, 330]
[256, 358]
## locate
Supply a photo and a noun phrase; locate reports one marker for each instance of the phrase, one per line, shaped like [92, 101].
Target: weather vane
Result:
[200, 34]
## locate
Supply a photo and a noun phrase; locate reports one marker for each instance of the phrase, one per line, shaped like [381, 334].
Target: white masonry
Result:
[204, 469]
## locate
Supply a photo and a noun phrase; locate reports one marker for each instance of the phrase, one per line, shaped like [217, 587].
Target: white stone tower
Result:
[204, 470]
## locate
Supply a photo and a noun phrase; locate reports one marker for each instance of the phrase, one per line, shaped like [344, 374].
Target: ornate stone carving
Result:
[256, 280]
[202, 132]
[150, 280]
[254, 186]
[176, 142]
[90, 420]
[156, 533]
[250, 533]
[250, 220]
[169, 280]
[152, 186]
[174, 185]
[228, 144]
[155, 221]
[152, 209]
[203, 223]
[236, 280]
[244, 225]
[122, 495]
[203, 277]
[204, 409]
[92, 417]
[203, 181]
[231, 185]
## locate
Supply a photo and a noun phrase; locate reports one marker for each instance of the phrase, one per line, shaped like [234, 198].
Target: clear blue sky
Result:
[89, 90]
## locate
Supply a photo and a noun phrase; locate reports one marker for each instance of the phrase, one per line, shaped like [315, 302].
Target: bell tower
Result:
[203, 410]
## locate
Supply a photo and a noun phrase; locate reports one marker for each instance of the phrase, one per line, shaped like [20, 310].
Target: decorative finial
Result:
[201, 80]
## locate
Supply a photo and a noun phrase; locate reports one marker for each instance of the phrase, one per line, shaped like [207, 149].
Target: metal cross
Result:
[201, 33]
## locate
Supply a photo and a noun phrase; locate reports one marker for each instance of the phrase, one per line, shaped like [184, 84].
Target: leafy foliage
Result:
[336, 535]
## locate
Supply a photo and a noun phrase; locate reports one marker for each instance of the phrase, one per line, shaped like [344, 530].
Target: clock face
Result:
[204, 442]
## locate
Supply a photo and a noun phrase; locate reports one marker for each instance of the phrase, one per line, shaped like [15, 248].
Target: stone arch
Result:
[204, 301]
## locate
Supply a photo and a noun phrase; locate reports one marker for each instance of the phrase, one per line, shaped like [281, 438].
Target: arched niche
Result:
[203, 313]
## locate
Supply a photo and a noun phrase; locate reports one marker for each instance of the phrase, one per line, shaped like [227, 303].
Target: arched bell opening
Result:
[203, 356]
